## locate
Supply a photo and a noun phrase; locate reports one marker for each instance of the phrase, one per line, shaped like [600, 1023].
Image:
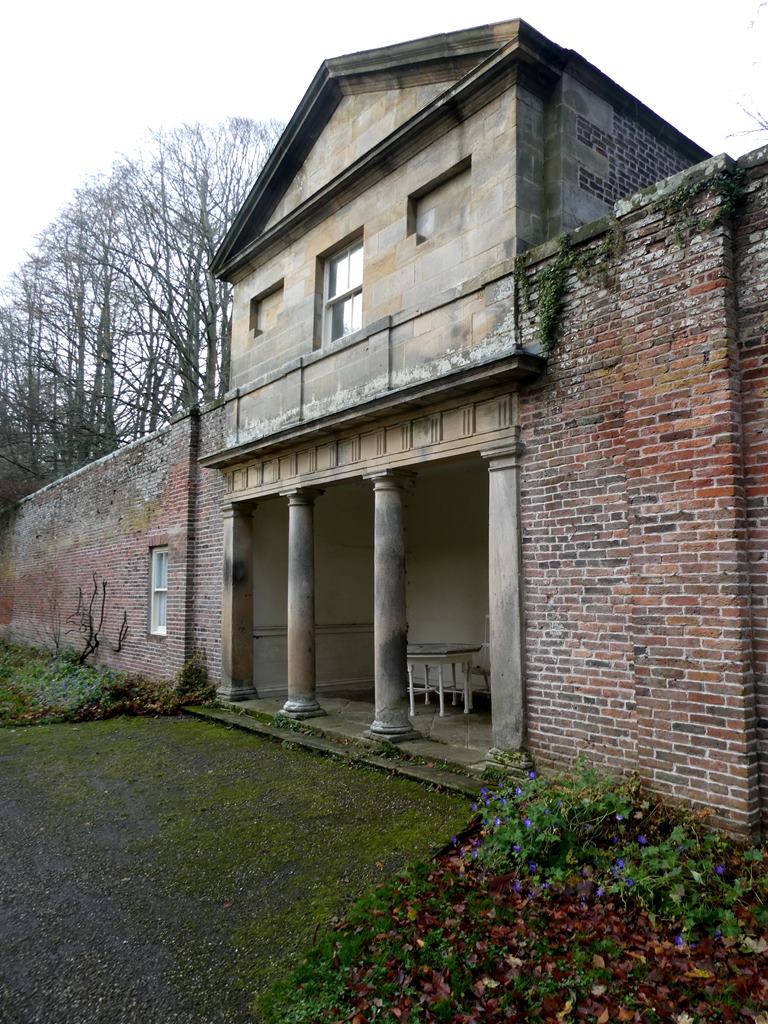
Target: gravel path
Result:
[166, 870]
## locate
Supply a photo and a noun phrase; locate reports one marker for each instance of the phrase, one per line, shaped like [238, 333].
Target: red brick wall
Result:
[105, 519]
[752, 280]
[637, 586]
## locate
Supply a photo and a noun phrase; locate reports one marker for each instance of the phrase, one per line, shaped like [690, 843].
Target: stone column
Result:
[505, 608]
[302, 701]
[237, 605]
[390, 629]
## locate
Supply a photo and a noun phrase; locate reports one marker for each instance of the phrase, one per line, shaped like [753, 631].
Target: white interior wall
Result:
[447, 553]
[343, 588]
[446, 572]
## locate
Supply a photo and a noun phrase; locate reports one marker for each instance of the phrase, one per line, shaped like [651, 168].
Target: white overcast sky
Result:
[82, 81]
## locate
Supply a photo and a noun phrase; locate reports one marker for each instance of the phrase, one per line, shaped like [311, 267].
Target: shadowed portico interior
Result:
[446, 558]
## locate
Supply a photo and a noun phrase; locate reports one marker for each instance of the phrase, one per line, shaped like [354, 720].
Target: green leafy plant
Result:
[191, 681]
[606, 837]
[37, 688]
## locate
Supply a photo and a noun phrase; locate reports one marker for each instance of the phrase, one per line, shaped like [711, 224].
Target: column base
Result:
[299, 708]
[512, 764]
[391, 733]
[236, 692]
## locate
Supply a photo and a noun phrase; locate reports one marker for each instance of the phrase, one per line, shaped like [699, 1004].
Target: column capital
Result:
[390, 479]
[503, 456]
[237, 510]
[301, 495]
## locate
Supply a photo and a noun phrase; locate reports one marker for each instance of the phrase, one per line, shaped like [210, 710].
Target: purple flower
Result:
[497, 822]
[642, 840]
[518, 886]
[546, 810]
[518, 791]
[455, 840]
[474, 807]
[545, 885]
[528, 823]
[619, 817]
[718, 934]
[620, 863]
[484, 792]
[531, 776]
[630, 882]
[532, 866]
[679, 940]
[516, 848]
[600, 891]
[720, 870]
[503, 801]
[614, 839]
[474, 854]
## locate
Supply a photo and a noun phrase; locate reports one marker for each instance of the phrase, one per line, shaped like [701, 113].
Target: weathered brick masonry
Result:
[644, 505]
[644, 508]
[104, 520]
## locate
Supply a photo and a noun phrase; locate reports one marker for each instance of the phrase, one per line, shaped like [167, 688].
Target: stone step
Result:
[458, 780]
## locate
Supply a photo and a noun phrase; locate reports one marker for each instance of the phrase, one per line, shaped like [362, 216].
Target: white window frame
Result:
[158, 608]
[330, 302]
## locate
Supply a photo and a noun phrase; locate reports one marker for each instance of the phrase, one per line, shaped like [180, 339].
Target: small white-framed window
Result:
[158, 591]
[343, 292]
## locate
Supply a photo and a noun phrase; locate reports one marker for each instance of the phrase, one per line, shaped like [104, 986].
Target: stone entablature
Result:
[437, 433]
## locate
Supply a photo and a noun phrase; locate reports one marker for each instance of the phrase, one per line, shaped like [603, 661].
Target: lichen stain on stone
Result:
[239, 571]
[139, 518]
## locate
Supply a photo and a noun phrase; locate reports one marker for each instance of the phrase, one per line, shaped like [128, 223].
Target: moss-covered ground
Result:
[178, 868]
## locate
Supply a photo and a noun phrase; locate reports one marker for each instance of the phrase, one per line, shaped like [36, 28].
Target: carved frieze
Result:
[436, 434]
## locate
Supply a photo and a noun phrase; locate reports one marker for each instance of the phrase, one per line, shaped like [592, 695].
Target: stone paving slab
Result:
[459, 740]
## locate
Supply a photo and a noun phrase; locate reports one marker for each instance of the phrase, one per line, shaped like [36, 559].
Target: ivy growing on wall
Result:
[597, 263]
[594, 263]
[729, 186]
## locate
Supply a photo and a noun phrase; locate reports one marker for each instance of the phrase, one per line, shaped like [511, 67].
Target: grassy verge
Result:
[574, 899]
[36, 687]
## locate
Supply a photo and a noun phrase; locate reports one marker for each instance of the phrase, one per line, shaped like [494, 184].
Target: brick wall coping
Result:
[646, 197]
[104, 459]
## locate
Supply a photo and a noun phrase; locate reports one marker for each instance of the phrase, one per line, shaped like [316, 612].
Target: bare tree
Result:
[116, 323]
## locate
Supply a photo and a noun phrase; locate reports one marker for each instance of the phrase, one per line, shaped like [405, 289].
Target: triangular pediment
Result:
[359, 122]
[353, 104]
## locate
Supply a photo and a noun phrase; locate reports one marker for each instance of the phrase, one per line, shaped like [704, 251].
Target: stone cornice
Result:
[512, 370]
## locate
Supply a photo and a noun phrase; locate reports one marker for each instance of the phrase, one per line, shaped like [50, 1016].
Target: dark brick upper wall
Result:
[635, 158]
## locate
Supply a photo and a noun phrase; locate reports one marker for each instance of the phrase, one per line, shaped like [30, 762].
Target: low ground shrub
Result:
[35, 687]
[579, 898]
[606, 836]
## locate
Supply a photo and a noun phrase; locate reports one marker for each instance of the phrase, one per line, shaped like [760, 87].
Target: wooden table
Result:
[437, 656]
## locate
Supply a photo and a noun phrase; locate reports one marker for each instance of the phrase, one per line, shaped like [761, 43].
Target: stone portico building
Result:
[374, 352]
[448, 424]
